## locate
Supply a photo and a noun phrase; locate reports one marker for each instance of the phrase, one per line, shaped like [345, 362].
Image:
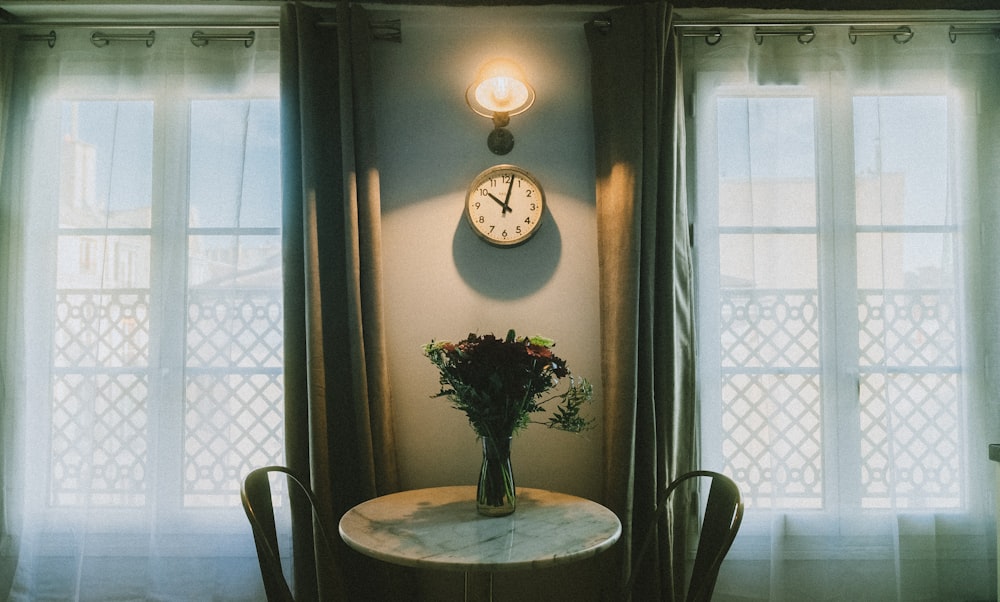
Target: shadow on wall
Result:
[507, 273]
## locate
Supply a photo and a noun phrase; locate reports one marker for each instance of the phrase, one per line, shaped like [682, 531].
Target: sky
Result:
[227, 188]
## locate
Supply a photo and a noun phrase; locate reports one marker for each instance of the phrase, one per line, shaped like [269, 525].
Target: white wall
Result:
[441, 281]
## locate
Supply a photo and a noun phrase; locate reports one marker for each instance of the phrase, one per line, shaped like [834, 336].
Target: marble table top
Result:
[440, 528]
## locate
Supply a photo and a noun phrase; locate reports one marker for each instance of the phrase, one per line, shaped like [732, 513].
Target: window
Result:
[141, 225]
[183, 321]
[160, 299]
[843, 191]
[829, 282]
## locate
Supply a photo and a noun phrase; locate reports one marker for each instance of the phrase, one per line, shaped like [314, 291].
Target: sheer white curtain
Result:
[845, 218]
[141, 366]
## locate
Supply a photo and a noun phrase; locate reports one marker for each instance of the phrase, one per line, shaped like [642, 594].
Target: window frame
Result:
[840, 368]
[166, 367]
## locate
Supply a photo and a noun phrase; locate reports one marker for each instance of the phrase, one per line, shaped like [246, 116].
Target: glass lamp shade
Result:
[500, 87]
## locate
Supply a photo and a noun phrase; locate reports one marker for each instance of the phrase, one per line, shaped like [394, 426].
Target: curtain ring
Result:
[900, 35]
[712, 35]
[803, 35]
[390, 30]
[98, 39]
[49, 38]
[101, 40]
[201, 39]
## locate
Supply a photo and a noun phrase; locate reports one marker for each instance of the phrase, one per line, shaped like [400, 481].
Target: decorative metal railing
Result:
[102, 404]
[909, 398]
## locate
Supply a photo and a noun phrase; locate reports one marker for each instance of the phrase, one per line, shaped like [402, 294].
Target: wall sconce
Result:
[499, 92]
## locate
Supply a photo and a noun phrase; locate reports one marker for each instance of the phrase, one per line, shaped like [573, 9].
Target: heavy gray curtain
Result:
[338, 414]
[10, 477]
[645, 279]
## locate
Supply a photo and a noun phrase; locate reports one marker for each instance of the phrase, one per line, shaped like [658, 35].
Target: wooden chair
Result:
[255, 494]
[723, 515]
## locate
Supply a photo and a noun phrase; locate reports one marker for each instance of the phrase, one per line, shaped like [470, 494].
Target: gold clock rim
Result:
[474, 185]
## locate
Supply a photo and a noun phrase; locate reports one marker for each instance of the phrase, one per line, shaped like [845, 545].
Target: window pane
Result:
[916, 260]
[234, 261]
[907, 329]
[233, 413]
[767, 162]
[772, 437]
[772, 329]
[101, 331]
[106, 164]
[901, 161]
[767, 137]
[235, 181]
[99, 439]
[768, 260]
[910, 442]
[99, 261]
[767, 202]
[908, 341]
[233, 422]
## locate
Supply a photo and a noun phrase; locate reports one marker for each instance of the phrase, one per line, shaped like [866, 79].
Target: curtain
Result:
[139, 256]
[845, 197]
[645, 280]
[339, 428]
[8, 331]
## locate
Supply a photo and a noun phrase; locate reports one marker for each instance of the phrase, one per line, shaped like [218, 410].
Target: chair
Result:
[723, 515]
[255, 494]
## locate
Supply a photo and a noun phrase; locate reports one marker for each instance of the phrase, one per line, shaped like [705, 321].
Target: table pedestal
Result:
[478, 586]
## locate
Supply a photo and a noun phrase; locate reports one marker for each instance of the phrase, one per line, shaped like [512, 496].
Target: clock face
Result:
[504, 205]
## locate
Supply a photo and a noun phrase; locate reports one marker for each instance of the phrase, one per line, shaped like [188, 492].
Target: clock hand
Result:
[506, 200]
[501, 203]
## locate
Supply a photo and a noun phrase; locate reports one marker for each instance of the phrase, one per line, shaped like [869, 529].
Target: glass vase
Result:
[496, 495]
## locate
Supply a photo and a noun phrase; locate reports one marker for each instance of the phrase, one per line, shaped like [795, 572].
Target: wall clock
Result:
[504, 205]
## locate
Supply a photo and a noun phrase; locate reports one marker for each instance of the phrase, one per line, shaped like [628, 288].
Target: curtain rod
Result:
[805, 31]
[800, 22]
[143, 24]
[389, 30]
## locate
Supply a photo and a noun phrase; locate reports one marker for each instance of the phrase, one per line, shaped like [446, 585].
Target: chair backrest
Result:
[255, 494]
[723, 515]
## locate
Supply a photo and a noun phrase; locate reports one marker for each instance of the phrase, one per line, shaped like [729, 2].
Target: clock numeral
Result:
[529, 193]
[527, 220]
[482, 219]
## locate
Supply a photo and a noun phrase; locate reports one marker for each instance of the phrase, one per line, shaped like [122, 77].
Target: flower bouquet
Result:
[500, 384]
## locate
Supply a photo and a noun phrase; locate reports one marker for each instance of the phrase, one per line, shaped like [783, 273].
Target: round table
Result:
[439, 528]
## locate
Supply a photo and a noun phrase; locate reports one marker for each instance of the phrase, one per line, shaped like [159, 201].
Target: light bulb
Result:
[500, 88]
